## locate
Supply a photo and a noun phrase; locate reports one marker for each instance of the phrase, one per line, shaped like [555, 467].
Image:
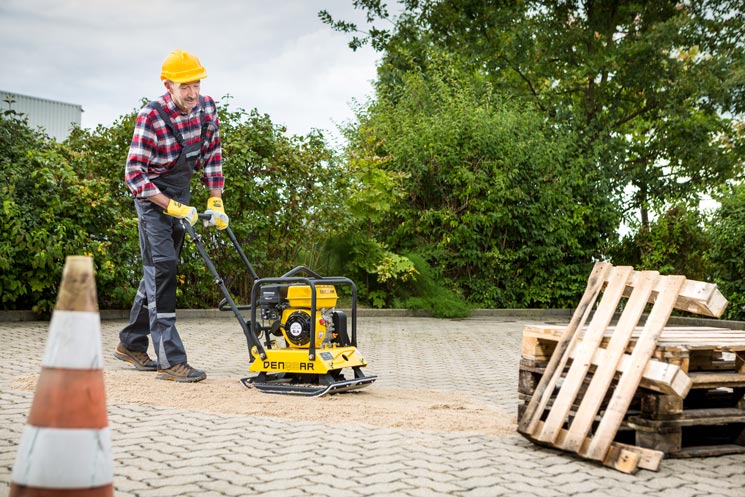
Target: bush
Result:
[727, 253]
[675, 243]
[51, 209]
[494, 200]
[282, 194]
[426, 293]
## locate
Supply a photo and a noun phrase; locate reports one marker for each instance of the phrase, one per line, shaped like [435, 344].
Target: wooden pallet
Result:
[581, 398]
[708, 420]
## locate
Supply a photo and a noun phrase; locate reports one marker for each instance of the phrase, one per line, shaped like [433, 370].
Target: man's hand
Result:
[179, 210]
[218, 217]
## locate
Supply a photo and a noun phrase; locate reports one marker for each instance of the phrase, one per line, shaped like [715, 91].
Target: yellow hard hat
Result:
[182, 67]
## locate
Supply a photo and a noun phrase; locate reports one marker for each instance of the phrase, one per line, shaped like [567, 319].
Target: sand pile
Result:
[374, 406]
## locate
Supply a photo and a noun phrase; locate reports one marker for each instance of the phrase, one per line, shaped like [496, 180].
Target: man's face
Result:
[185, 95]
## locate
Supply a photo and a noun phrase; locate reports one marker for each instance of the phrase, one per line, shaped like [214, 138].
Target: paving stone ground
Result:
[178, 452]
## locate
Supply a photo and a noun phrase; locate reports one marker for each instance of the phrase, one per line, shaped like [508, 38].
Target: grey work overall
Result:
[161, 238]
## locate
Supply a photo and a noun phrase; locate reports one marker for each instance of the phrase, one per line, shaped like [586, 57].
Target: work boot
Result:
[140, 360]
[181, 373]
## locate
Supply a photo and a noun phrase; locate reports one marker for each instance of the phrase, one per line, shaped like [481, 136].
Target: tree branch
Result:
[633, 115]
[527, 82]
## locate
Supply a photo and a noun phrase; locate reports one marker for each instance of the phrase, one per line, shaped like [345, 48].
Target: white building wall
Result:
[55, 118]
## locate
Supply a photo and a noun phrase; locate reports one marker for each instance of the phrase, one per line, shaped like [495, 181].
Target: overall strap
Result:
[167, 119]
[205, 124]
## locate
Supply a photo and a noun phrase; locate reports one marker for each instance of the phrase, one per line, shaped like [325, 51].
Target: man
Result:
[175, 136]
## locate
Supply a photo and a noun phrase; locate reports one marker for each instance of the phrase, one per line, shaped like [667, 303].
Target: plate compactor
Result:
[307, 343]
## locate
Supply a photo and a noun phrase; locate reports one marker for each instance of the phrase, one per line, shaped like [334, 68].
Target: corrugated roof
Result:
[56, 118]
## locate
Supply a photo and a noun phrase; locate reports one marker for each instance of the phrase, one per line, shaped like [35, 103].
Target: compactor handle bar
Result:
[251, 338]
[234, 240]
[223, 305]
[293, 276]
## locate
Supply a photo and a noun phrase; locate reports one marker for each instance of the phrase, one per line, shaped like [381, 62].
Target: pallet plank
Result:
[625, 461]
[553, 331]
[534, 410]
[697, 297]
[693, 417]
[668, 291]
[661, 377]
[649, 459]
[603, 376]
[586, 349]
[717, 380]
[658, 376]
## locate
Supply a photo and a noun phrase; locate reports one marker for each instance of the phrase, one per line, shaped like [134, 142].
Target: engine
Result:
[288, 309]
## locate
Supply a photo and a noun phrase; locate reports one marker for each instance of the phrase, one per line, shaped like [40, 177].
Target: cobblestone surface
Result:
[170, 452]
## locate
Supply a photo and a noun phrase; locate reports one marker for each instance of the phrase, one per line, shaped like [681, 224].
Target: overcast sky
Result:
[272, 55]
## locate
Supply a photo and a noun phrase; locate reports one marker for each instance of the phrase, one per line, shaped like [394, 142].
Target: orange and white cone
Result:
[65, 448]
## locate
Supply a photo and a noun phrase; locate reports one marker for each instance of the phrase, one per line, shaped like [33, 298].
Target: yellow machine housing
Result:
[297, 317]
[314, 346]
[288, 360]
[298, 296]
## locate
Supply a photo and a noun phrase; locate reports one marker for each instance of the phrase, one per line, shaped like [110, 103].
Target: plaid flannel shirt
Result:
[154, 149]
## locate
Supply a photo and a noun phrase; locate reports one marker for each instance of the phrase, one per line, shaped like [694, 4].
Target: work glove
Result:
[218, 217]
[181, 211]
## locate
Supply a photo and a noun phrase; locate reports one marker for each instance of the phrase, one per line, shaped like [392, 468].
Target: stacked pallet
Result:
[618, 386]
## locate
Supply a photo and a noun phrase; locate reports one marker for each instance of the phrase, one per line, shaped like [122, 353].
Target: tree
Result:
[651, 91]
[725, 258]
[676, 242]
[496, 201]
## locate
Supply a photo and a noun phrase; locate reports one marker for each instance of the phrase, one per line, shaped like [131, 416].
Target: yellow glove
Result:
[218, 217]
[179, 210]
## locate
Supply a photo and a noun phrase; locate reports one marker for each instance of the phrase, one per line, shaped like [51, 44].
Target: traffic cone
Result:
[65, 448]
